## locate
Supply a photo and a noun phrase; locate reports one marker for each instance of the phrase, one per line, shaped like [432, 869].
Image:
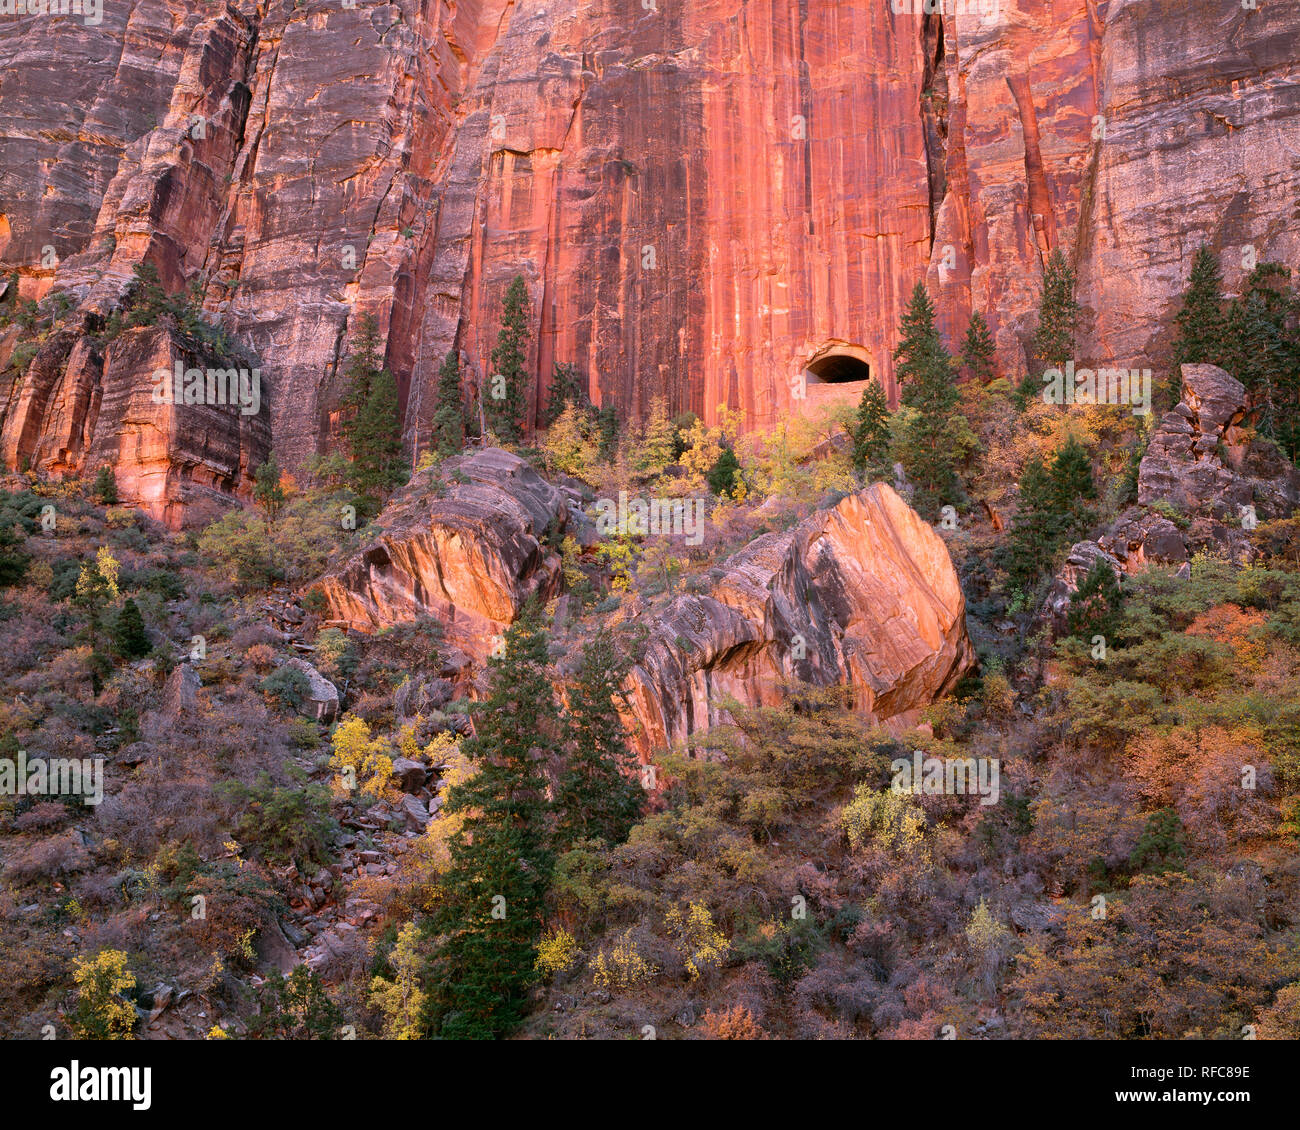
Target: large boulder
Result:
[863, 594]
[466, 542]
[322, 701]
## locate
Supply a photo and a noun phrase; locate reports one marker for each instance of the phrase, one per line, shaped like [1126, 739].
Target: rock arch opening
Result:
[839, 369]
[837, 372]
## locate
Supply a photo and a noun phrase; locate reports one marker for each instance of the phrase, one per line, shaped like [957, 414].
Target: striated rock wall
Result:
[77, 409]
[703, 195]
[1202, 145]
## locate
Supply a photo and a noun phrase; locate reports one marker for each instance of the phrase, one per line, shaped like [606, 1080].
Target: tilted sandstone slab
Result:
[470, 553]
[862, 595]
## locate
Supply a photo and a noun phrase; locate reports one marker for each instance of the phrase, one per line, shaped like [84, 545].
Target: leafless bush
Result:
[41, 817]
[46, 859]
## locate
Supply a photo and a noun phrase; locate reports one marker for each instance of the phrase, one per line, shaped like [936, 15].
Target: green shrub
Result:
[288, 686]
[282, 823]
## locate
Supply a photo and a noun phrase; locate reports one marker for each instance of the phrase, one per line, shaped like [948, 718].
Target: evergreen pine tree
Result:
[129, 637]
[1263, 351]
[925, 371]
[655, 451]
[489, 918]
[1033, 535]
[607, 423]
[1058, 316]
[1073, 487]
[363, 364]
[1095, 606]
[566, 390]
[1202, 327]
[505, 398]
[378, 458]
[105, 488]
[724, 474]
[978, 351]
[1054, 511]
[371, 423]
[872, 434]
[13, 561]
[597, 795]
[449, 413]
[268, 495]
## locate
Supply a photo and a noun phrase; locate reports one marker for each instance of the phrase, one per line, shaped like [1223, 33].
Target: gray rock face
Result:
[1206, 465]
[410, 775]
[323, 698]
[1082, 557]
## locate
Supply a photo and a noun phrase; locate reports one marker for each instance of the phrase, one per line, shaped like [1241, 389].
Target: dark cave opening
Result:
[838, 369]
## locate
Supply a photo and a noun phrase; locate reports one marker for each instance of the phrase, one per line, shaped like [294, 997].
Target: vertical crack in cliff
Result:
[806, 109]
[934, 113]
[1041, 213]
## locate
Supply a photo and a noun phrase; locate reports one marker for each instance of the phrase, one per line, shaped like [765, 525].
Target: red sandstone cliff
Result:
[703, 195]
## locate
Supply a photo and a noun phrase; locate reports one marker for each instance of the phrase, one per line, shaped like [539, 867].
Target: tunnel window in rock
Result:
[838, 374]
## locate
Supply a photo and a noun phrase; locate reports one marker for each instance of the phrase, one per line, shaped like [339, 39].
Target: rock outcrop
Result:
[862, 595]
[77, 409]
[307, 163]
[322, 699]
[1214, 475]
[1079, 562]
[467, 543]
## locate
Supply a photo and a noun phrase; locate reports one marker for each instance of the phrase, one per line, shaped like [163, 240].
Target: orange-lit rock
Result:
[863, 595]
[703, 197]
[75, 411]
[470, 552]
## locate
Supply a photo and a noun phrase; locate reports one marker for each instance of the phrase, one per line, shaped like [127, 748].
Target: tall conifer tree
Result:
[871, 435]
[1058, 315]
[925, 371]
[505, 399]
[489, 916]
[978, 351]
[449, 413]
[597, 796]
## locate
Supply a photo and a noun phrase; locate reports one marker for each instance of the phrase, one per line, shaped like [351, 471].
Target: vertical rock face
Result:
[703, 196]
[1202, 110]
[77, 409]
